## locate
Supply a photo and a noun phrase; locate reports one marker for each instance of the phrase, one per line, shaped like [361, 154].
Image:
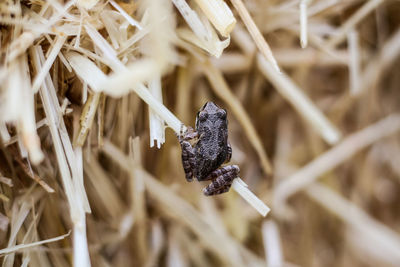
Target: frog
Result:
[206, 148]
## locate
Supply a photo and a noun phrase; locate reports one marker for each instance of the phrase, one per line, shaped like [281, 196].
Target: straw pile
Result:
[312, 94]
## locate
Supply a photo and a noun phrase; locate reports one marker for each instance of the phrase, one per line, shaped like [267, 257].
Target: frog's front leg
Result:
[188, 155]
[188, 160]
[222, 180]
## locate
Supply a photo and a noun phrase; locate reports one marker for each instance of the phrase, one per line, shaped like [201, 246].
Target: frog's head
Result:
[211, 113]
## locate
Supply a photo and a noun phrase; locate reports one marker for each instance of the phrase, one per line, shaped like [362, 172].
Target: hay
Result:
[90, 170]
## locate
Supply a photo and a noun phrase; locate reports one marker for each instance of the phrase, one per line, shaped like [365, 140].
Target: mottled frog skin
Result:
[203, 159]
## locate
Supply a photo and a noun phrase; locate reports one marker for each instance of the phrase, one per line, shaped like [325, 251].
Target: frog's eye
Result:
[221, 113]
[202, 116]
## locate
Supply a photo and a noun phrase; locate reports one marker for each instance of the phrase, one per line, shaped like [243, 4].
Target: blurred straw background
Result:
[90, 175]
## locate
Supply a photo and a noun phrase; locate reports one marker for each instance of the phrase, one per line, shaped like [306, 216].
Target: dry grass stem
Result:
[21, 247]
[333, 157]
[87, 117]
[241, 188]
[300, 101]
[157, 129]
[384, 242]
[352, 22]
[35, 177]
[303, 22]
[58, 43]
[128, 18]
[84, 66]
[6, 181]
[219, 14]
[272, 244]
[354, 62]
[255, 33]
[201, 34]
[376, 67]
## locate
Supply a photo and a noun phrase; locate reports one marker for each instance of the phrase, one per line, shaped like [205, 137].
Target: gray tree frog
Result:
[205, 149]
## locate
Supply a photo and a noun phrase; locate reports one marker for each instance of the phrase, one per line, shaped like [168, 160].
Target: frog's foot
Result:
[189, 134]
[188, 160]
[222, 180]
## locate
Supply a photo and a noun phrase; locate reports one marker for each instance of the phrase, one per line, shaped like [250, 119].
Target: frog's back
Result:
[211, 149]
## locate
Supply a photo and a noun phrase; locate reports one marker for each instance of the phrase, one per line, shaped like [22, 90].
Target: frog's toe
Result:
[223, 181]
[210, 192]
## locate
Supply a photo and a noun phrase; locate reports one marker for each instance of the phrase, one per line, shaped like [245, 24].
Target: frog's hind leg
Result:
[222, 180]
[188, 159]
